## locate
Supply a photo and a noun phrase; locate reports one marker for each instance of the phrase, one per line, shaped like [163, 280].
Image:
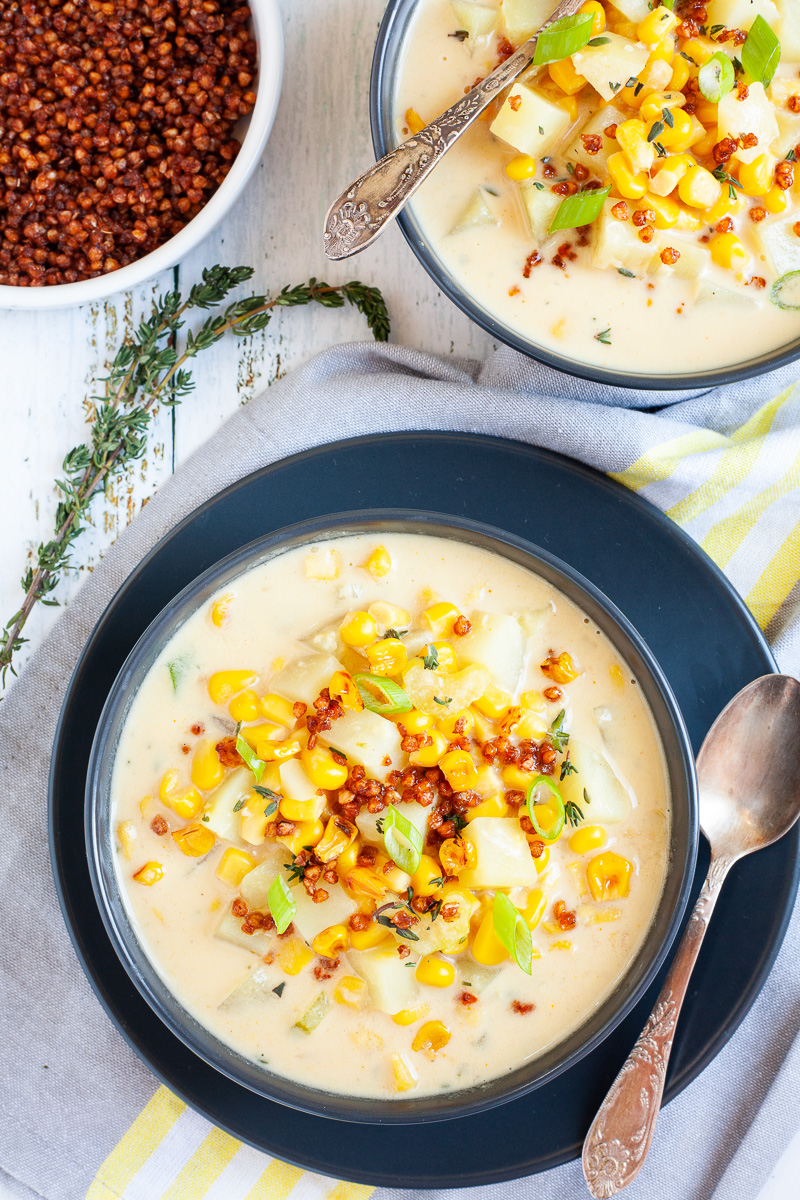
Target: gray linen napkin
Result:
[69, 1086]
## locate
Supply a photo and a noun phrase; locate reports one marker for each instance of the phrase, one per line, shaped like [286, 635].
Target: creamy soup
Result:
[390, 818]
[687, 264]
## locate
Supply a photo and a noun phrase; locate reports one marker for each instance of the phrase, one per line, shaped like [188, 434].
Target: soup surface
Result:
[397, 902]
[678, 269]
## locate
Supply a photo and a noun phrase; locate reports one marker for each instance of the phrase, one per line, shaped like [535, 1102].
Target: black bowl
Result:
[683, 847]
[388, 48]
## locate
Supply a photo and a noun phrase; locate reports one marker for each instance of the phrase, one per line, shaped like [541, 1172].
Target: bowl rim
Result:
[268, 31]
[391, 31]
[638, 974]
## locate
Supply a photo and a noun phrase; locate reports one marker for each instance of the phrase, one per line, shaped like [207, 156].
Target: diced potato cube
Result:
[755, 115]
[522, 18]
[368, 822]
[694, 260]
[540, 205]
[740, 14]
[310, 918]
[609, 798]
[530, 122]
[302, 799]
[616, 244]
[257, 984]
[779, 242]
[392, 983]
[788, 30]
[254, 888]
[634, 10]
[476, 214]
[438, 694]
[367, 739]
[230, 930]
[305, 677]
[502, 855]
[440, 935]
[496, 641]
[323, 563]
[608, 67]
[788, 131]
[710, 290]
[477, 19]
[222, 819]
[580, 150]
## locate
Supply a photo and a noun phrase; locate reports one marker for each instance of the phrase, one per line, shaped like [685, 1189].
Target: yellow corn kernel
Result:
[629, 184]
[343, 688]
[427, 879]
[429, 754]
[570, 106]
[379, 563]
[515, 778]
[521, 168]
[544, 854]
[293, 956]
[220, 609]
[391, 616]
[689, 220]
[532, 725]
[459, 770]
[588, 837]
[493, 703]
[168, 783]
[776, 200]
[306, 833]
[456, 855]
[653, 107]
[224, 684]
[656, 25]
[387, 657]
[534, 908]
[323, 768]
[149, 874]
[547, 815]
[609, 876]
[186, 803]
[669, 171]
[487, 948]
[330, 942]
[264, 732]
[493, 806]
[194, 840]
[410, 1016]
[681, 71]
[253, 818]
[667, 210]
[365, 882]
[234, 865]
[756, 177]
[728, 251]
[350, 990]
[563, 945]
[126, 836]
[446, 655]
[706, 144]
[699, 188]
[207, 771]
[598, 13]
[404, 1077]
[338, 835]
[458, 724]
[414, 121]
[430, 1038]
[347, 857]
[510, 720]
[564, 76]
[678, 136]
[589, 913]
[399, 881]
[245, 707]
[308, 810]
[365, 939]
[698, 50]
[435, 971]
[415, 721]
[278, 709]
[269, 751]
[663, 51]
[441, 618]
[358, 629]
[632, 138]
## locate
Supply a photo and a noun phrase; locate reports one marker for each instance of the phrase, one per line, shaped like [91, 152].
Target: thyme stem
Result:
[148, 369]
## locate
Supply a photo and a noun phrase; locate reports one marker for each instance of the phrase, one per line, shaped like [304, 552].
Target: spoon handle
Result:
[619, 1139]
[360, 214]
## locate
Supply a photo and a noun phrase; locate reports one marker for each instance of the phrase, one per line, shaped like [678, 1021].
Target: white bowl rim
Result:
[268, 28]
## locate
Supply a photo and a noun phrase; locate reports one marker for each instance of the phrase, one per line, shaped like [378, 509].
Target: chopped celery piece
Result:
[314, 1015]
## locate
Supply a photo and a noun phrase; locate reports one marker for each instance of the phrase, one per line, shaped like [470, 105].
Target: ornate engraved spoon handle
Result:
[619, 1139]
[362, 212]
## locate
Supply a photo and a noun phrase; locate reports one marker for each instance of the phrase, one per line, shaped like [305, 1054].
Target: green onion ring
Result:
[555, 831]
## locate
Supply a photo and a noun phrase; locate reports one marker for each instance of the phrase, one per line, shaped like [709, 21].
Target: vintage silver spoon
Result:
[362, 212]
[749, 775]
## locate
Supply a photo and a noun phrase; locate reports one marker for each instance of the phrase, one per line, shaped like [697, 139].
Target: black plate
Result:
[698, 628]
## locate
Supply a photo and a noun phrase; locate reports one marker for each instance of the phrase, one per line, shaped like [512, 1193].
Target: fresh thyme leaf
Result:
[149, 371]
[558, 735]
[624, 271]
[541, 130]
[567, 768]
[459, 821]
[666, 113]
[632, 82]
[394, 633]
[586, 797]
[460, 35]
[241, 803]
[430, 657]
[572, 812]
[297, 871]
[382, 919]
[379, 824]
[599, 41]
[279, 989]
[614, 86]
[791, 156]
[539, 186]
[435, 910]
[443, 700]
[722, 175]
[177, 670]
[604, 336]
[656, 130]
[204, 818]
[715, 29]
[339, 755]
[266, 792]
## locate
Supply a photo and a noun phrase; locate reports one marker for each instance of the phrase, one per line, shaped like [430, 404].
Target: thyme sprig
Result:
[149, 370]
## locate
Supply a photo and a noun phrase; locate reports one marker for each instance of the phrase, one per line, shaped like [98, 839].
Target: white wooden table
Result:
[52, 360]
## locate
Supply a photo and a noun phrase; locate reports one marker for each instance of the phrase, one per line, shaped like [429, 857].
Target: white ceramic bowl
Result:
[253, 132]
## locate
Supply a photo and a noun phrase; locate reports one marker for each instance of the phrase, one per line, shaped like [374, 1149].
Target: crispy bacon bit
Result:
[320, 895]
[548, 170]
[742, 91]
[367, 856]
[737, 36]
[504, 50]
[467, 998]
[449, 912]
[756, 214]
[724, 150]
[565, 918]
[185, 749]
[284, 828]
[359, 921]
[462, 625]
[796, 229]
[227, 753]
[239, 908]
[793, 104]
[514, 103]
[646, 234]
[553, 694]
[748, 141]
[669, 256]
[567, 187]
[580, 173]
[159, 826]
[288, 931]
[403, 951]
[325, 968]
[299, 709]
[784, 175]
[643, 216]
[403, 919]
[536, 848]
[687, 29]
[593, 143]
[197, 729]
[513, 291]
[724, 226]
[620, 211]
[610, 131]
[758, 281]
[518, 1007]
